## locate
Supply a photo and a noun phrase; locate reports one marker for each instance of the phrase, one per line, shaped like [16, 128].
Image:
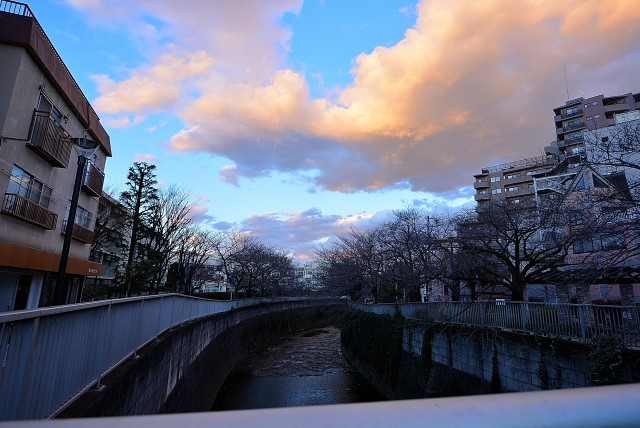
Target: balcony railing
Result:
[16, 8]
[79, 233]
[571, 114]
[522, 163]
[93, 179]
[572, 126]
[49, 139]
[569, 141]
[480, 184]
[23, 209]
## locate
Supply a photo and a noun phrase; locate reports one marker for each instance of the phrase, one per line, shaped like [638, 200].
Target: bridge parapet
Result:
[52, 355]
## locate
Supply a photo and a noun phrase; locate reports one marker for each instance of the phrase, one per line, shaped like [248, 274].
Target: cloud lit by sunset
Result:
[465, 84]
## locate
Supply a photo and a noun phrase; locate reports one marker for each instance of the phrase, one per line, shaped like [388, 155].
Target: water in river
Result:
[301, 369]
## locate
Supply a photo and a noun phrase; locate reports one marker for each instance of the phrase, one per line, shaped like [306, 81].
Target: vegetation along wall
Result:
[418, 359]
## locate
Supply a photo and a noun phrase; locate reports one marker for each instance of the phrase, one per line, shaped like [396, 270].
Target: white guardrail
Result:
[49, 356]
[597, 407]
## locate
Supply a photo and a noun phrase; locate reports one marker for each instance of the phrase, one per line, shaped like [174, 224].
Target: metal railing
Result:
[79, 233]
[93, 179]
[16, 8]
[24, 209]
[49, 139]
[49, 356]
[527, 162]
[574, 322]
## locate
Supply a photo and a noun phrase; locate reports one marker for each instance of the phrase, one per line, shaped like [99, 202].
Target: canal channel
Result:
[300, 369]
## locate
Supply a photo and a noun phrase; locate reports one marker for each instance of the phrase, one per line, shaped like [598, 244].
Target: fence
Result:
[575, 322]
[49, 356]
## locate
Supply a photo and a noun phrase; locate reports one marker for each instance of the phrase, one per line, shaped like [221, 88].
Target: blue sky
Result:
[295, 120]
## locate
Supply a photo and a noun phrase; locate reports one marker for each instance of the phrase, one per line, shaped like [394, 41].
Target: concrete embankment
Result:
[185, 367]
[408, 358]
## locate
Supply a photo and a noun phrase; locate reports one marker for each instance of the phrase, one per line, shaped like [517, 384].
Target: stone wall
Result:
[184, 369]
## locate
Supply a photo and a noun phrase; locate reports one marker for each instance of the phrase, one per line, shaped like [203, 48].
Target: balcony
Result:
[482, 197]
[49, 140]
[480, 184]
[573, 126]
[23, 209]
[79, 233]
[93, 179]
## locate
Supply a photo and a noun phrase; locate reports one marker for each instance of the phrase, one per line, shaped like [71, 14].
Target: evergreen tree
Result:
[139, 199]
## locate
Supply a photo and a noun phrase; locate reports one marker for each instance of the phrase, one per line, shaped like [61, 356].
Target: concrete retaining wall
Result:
[436, 360]
[184, 369]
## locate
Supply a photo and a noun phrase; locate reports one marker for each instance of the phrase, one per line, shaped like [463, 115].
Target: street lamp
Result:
[85, 148]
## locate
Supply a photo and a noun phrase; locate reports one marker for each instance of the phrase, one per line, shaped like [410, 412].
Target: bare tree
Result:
[413, 244]
[520, 243]
[195, 248]
[354, 265]
[171, 221]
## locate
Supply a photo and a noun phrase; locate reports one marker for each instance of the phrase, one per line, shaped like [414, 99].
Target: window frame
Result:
[579, 246]
[31, 188]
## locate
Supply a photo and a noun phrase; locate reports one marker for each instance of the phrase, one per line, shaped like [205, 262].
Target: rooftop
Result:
[21, 28]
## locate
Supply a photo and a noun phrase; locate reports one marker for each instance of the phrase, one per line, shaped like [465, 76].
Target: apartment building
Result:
[588, 188]
[587, 114]
[109, 248]
[43, 114]
[511, 181]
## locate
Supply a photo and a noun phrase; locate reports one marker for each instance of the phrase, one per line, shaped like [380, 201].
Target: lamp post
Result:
[85, 148]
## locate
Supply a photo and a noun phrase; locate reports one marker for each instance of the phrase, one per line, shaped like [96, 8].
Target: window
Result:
[583, 246]
[512, 189]
[596, 116]
[612, 241]
[589, 118]
[44, 104]
[572, 110]
[599, 183]
[496, 191]
[587, 105]
[577, 136]
[595, 103]
[575, 218]
[83, 217]
[605, 139]
[26, 185]
[495, 179]
[511, 175]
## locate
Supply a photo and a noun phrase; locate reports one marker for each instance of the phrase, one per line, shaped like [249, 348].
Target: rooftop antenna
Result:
[565, 81]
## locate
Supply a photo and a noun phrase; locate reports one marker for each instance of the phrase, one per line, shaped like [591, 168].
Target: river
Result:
[301, 369]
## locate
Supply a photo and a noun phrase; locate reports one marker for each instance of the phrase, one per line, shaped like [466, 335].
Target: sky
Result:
[295, 120]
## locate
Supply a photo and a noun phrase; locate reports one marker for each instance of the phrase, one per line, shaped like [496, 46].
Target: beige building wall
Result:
[33, 77]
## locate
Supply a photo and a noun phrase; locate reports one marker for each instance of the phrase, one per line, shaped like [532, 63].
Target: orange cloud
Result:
[470, 84]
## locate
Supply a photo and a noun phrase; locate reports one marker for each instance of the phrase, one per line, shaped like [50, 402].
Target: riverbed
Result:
[301, 369]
